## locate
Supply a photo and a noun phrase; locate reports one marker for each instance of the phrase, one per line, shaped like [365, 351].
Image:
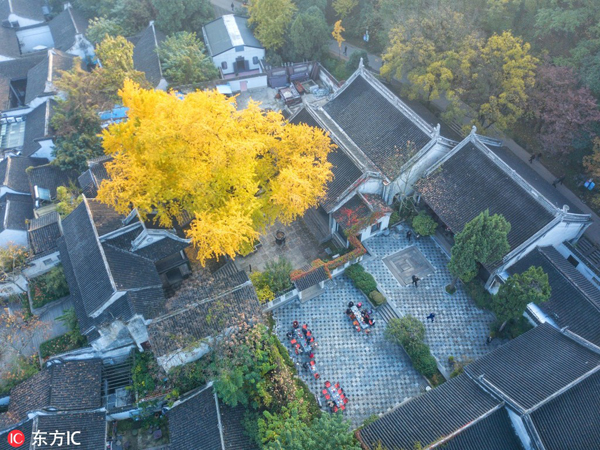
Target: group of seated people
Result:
[291, 335]
[330, 402]
[366, 315]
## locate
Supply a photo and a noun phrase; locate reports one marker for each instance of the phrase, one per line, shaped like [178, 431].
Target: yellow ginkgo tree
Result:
[337, 34]
[232, 172]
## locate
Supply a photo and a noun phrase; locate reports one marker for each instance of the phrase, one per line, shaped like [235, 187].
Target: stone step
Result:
[387, 313]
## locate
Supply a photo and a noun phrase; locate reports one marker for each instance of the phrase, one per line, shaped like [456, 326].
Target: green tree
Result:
[182, 15]
[100, 27]
[354, 60]
[271, 19]
[133, 15]
[424, 224]
[344, 7]
[483, 240]
[518, 291]
[67, 199]
[277, 274]
[405, 331]
[309, 34]
[184, 59]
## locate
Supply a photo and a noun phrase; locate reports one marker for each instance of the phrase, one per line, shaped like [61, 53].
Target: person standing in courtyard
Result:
[432, 317]
[345, 50]
[408, 235]
[415, 280]
[232, 7]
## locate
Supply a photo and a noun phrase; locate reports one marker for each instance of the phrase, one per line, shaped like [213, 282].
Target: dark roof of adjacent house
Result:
[41, 76]
[130, 271]
[145, 53]
[65, 27]
[30, 9]
[312, 278]
[345, 172]
[8, 426]
[574, 301]
[228, 32]
[13, 70]
[196, 321]
[91, 426]
[94, 281]
[91, 179]
[429, 417]
[13, 172]
[44, 232]
[471, 181]
[163, 248]
[194, 423]
[105, 218]
[571, 420]
[37, 126]
[64, 385]
[358, 208]
[534, 366]
[15, 211]
[50, 177]
[9, 43]
[378, 127]
[201, 422]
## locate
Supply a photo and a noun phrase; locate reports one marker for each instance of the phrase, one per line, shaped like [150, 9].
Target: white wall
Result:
[17, 237]
[35, 37]
[81, 48]
[45, 150]
[252, 82]
[23, 21]
[43, 264]
[7, 190]
[230, 56]
[366, 233]
[39, 100]
[563, 231]
[581, 267]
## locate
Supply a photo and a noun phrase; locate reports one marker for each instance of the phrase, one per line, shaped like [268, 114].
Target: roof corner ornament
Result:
[436, 131]
[361, 66]
[566, 209]
[473, 130]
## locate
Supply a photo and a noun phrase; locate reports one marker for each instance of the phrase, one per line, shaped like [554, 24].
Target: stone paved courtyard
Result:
[374, 374]
[460, 328]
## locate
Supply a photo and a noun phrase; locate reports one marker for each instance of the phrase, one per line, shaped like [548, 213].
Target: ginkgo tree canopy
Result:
[234, 172]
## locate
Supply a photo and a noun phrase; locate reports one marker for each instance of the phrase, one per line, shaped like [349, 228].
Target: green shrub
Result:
[405, 331]
[394, 218]
[477, 291]
[422, 359]
[362, 280]
[377, 298]
[424, 224]
[48, 287]
[62, 344]
[24, 369]
[354, 60]
[277, 275]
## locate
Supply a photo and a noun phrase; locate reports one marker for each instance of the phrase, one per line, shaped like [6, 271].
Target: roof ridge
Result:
[113, 247]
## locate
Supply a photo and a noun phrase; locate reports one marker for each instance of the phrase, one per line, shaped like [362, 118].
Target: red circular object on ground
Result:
[16, 438]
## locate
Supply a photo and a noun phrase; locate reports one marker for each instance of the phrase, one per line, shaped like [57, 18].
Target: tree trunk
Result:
[453, 284]
[502, 326]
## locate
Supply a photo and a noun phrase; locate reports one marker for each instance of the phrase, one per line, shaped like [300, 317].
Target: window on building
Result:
[224, 65]
[47, 262]
[255, 60]
[375, 228]
[573, 261]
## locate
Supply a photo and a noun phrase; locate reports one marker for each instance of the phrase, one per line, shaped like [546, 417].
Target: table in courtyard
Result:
[359, 318]
[313, 369]
[336, 396]
[301, 339]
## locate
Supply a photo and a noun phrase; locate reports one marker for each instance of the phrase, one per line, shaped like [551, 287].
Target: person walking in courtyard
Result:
[345, 50]
[415, 280]
[559, 180]
[538, 157]
[408, 235]
[232, 7]
[432, 317]
[531, 159]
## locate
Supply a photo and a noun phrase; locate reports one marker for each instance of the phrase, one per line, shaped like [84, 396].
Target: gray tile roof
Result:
[162, 249]
[43, 233]
[469, 182]
[46, 71]
[9, 43]
[15, 211]
[105, 218]
[145, 55]
[64, 30]
[91, 179]
[345, 172]
[312, 278]
[49, 176]
[534, 366]
[219, 39]
[66, 386]
[91, 425]
[427, 418]
[574, 302]
[13, 172]
[234, 433]
[25, 427]
[30, 9]
[94, 282]
[376, 126]
[194, 423]
[130, 271]
[15, 70]
[571, 420]
[203, 319]
[37, 126]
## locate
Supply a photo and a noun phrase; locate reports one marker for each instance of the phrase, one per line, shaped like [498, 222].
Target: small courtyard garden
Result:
[48, 287]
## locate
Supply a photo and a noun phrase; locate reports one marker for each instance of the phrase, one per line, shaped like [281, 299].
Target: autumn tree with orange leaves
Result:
[233, 172]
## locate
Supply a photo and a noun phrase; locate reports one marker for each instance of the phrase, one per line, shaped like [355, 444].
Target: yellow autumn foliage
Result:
[233, 172]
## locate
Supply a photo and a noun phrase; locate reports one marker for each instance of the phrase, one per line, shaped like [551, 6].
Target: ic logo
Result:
[16, 438]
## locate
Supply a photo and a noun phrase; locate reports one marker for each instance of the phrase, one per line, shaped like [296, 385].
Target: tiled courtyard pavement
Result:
[460, 328]
[375, 374]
